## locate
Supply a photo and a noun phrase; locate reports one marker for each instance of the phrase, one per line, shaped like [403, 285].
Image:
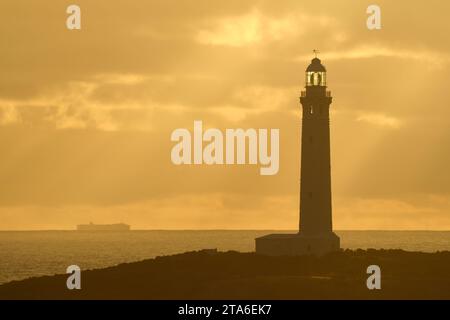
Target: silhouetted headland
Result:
[231, 275]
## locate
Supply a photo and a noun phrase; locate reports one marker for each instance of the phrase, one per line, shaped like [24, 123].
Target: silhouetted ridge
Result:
[233, 275]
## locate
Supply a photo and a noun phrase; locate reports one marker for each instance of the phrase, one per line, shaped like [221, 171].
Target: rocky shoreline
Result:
[233, 275]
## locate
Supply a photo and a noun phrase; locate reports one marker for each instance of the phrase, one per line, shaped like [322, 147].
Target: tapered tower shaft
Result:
[315, 181]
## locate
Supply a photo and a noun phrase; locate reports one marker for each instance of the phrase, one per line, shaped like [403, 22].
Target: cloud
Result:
[77, 105]
[381, 120]
[240, 31]
[368, 51]
[69, 108]
[122, 79]
[265, 98]
[9, 114]
[255, 100]
[411, 212]
[255, 27]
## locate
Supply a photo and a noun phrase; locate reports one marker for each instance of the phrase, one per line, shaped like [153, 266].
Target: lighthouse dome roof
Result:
[316, 66]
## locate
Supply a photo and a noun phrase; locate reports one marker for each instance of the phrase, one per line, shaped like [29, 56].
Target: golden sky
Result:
[86, 116]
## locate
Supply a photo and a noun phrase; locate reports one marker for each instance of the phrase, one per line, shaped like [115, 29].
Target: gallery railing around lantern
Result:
[327, 94]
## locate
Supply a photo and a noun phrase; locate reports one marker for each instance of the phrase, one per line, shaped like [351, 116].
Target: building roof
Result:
[279, 236]
[316, 66]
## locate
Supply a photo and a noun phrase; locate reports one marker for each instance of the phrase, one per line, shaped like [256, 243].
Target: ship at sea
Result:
[103, 227]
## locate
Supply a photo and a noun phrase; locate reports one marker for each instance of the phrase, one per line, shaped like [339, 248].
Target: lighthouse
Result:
[315, 234]
[315, 177]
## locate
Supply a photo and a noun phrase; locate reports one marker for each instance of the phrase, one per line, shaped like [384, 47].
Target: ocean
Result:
[25, 254]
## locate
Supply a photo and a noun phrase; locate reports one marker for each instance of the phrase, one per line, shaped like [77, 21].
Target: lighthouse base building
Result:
[280, 244]
[315, 234]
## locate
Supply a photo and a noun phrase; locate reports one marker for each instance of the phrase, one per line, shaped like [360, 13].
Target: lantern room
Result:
[316, 74]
